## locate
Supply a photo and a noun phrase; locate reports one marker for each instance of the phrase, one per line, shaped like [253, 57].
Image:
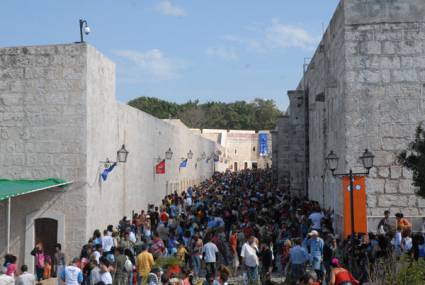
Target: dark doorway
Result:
[254, 165]
[46, 232]
[236, 166]
[246, 165]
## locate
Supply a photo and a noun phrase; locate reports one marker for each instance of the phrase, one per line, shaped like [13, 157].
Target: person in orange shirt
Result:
[144, 264]
[402, 222]
[47, 272]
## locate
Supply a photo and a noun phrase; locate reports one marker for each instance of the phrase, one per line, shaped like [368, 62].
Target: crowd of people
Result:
[236, 224]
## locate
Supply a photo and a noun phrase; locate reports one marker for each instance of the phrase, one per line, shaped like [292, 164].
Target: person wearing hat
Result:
[72, 274]
[314, 245]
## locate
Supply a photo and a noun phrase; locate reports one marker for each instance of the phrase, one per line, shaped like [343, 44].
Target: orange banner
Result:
[360, 218]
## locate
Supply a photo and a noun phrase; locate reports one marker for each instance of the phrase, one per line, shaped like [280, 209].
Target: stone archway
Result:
[30, 233]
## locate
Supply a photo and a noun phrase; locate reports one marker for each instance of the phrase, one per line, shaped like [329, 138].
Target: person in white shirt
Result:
[107, 242]
[210, 251]
[131, 235]
[97, 253]
[250, 260]
[396, 242]
[72, 274]
[406, 241]
[105, 275]
[6, 279]
[25, 278]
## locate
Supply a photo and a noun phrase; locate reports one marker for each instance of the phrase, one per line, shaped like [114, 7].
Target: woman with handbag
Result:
[340, 275]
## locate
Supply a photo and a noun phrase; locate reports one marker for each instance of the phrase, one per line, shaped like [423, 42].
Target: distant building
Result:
[242, 149]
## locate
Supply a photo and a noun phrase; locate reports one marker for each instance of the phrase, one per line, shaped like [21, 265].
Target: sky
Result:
[216, 50]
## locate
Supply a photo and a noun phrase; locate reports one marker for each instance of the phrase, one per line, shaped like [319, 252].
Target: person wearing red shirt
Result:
[340, 275]
[164, 216]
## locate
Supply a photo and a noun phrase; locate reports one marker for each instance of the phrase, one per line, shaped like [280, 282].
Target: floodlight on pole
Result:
[83, 28]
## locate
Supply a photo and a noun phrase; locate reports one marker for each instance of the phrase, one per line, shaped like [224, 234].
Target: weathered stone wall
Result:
[59, 118]
[296, 150]
[364, 90]
[324, 85]
[43, 133]
[280, 142]
[385, 76]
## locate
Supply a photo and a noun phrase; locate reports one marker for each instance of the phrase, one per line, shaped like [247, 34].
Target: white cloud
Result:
[274, 35]
[277, 35]
[154, 63]
[167, 8]
[221, 52]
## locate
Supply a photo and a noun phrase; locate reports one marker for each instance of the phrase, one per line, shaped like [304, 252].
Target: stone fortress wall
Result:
[364, 89]
[59, 118]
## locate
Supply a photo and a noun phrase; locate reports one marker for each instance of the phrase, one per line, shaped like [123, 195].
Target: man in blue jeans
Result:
[298, 259]
[314, 245]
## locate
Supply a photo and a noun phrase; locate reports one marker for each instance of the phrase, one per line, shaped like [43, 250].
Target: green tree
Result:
[156, 107]
[258, 115]
[414, 159]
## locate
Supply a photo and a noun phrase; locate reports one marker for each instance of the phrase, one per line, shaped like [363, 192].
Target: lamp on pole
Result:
[169, 154]
[367, 161]
[190, 154]
[122, 155]
[83, 28]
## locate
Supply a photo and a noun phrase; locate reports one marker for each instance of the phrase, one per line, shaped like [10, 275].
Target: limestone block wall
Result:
[296, 150]
[281, 160]
[133, 185]
[59, 118]
[385, 76]
[364, 89]
[324, 87]
[42, 134]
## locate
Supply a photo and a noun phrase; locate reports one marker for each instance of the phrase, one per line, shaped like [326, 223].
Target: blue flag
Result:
[183, 163]
[106, 171]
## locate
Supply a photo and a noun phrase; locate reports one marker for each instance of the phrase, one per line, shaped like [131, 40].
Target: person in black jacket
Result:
[266, 256]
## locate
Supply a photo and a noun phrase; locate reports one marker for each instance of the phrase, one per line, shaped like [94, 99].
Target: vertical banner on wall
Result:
[263, 142]
[360, 218]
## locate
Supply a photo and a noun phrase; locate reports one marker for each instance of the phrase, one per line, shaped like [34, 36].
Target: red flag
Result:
[160, 167]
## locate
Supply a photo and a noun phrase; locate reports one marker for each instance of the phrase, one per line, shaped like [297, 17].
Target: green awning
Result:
[13, 188]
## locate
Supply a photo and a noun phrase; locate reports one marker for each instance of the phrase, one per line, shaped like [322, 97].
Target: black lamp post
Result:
[83, 27]
[169, 154]
[190, 154]
[367, 161]
[122, 154]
